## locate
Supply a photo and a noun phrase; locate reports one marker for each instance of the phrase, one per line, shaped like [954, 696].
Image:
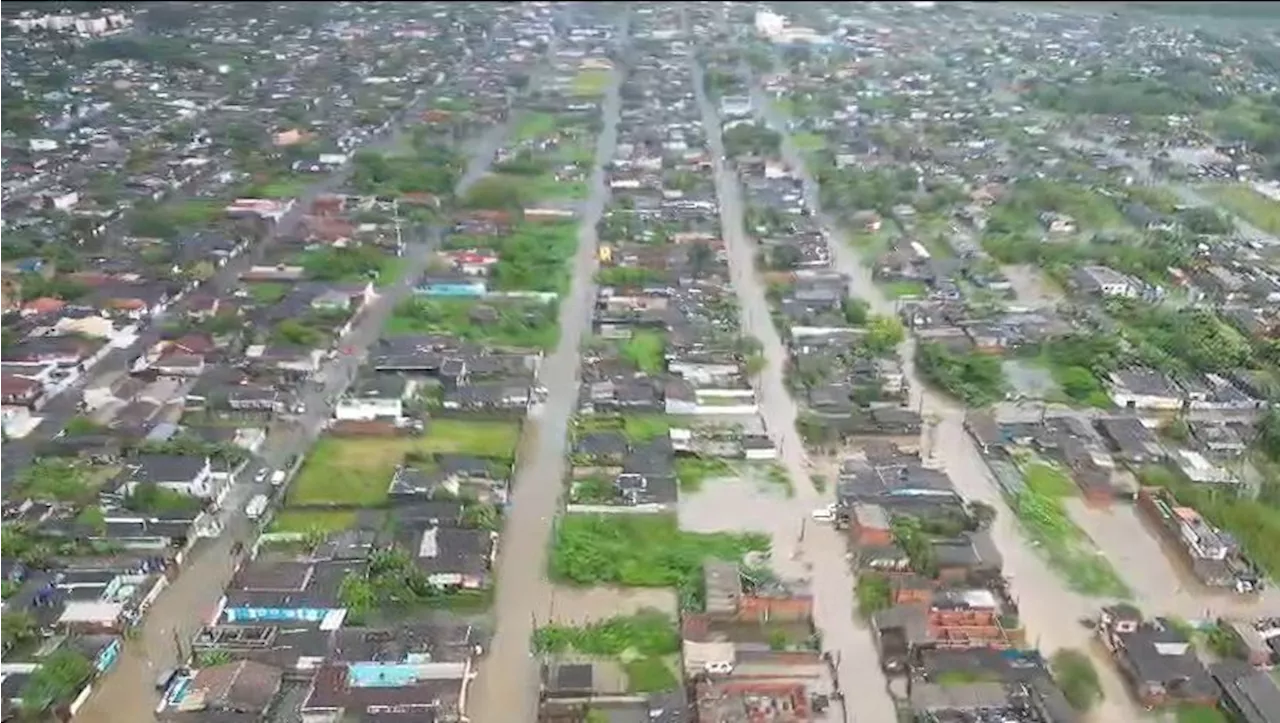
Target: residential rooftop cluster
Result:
[586, 362]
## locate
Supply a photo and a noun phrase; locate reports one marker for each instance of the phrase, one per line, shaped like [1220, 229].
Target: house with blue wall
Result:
[288, 591]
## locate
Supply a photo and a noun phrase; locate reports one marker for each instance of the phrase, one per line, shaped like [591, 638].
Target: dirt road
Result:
[507, 687]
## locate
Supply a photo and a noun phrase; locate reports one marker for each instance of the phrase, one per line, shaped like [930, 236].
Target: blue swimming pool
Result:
[381, 675]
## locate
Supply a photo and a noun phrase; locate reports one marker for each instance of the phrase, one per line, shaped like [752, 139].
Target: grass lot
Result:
[904, 289]
[481, 438]
[1047, 479]
[642, 551]
[591, 82]
[286, 187]
[1068, 549]
[647, 350]
[1247, 203]
[534, 125]
[527, 323]
[304, 521]
[644, 643]
[356, 472]
[547, 187]
[267, 292]
[809, 142]
[691, 472]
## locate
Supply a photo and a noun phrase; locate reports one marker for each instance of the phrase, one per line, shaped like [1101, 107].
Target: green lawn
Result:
[1047, 479]
[904, 289]
[591, 82]
[286, 187]
[313, 520]
[809, 142]
[647, 350]
[1248, 204]
[481, 438]
[547, 187]
[642, 551]
[356, 472]
[527, 323]
[534, 125]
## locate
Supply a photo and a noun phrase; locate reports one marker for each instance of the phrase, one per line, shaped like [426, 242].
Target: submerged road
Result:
[506, 690]
[1047, 606]
[822, 549]
[127, 694]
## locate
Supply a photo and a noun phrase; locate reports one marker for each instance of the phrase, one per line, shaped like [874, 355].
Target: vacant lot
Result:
[313, 521]
[356, 472]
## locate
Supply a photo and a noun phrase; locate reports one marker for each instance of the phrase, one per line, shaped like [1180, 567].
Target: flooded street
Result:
[822, 550]
[127, 694]
[507, 687]
[1050, 610]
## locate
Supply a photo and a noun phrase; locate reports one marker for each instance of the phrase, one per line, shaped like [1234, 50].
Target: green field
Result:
[1248, 204]
[304, 521]
[356, 472]
[534, 125]
[809, 142]
[591, 82]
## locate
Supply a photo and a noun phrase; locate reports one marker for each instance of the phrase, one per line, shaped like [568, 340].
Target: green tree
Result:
[884, 334]
[16, 628]
[357, 595]
[58, 678]
[700, 257]
[497, 193]
[856, 311]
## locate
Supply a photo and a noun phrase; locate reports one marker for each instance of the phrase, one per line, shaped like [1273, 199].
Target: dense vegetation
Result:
[641, 551]
[974, 377]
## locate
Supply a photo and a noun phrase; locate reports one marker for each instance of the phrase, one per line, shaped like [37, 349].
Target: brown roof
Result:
[244, 685]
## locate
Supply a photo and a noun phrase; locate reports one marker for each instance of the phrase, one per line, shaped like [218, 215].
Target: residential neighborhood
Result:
[682, 362]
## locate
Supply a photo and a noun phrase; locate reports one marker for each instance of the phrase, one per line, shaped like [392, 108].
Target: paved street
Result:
[126, 694]
[507, 688]
[823, 549]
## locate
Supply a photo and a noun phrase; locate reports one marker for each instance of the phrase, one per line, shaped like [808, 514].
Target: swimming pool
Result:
[381, 675]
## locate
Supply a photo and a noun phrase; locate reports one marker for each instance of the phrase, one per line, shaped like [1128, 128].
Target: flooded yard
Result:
[1030, 285]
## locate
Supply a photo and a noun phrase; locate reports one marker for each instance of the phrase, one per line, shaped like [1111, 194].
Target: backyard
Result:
[526, 323]
[647, 644]
[356, 472]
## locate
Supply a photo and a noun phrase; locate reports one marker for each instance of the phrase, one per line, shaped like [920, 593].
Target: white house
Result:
[1144, 389]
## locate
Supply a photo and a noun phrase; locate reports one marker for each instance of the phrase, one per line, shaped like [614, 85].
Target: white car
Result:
[261, 476]
[825, 514]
